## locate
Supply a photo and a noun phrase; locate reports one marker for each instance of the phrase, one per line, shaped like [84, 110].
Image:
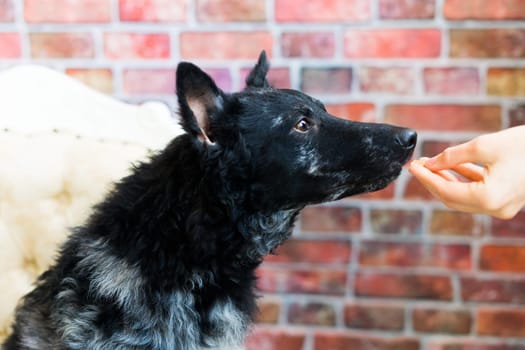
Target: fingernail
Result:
[430, 161]
[415, 162]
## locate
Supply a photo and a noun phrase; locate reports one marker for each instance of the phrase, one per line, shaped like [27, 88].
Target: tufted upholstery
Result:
[62, 144]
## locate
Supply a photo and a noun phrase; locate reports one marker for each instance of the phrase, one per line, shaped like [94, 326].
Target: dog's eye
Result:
[303, 125]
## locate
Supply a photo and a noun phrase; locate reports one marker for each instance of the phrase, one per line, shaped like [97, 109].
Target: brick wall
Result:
[389, 270]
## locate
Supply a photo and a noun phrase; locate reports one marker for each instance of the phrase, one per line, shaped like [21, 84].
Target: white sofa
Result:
[62, 145]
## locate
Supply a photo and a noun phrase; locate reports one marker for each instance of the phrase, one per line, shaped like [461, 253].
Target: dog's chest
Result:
[179, 327]
[167, 320]
[228, 326]
[173, 324]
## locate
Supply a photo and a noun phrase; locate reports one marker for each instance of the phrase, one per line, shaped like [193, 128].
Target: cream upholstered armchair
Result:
[62, 145]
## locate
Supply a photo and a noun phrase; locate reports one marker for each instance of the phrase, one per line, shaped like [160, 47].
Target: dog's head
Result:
[298, 153]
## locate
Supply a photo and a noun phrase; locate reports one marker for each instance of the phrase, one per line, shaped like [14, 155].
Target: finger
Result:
[428, 178]
[419, 173]
[470, 171]
[465, 208]
[477, 150]
[454, 194]
[449, 176]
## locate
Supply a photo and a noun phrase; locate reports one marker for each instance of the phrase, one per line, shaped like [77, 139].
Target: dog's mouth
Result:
[360, 184]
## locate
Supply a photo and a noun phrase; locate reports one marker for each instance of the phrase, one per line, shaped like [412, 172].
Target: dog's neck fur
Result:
[210, 250]
[182, 212]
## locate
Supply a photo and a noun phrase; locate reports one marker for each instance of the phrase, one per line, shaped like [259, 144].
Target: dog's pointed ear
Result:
[257, 77]
[199, 100]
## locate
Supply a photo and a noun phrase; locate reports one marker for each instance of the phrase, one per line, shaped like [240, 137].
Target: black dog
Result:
[167, 260]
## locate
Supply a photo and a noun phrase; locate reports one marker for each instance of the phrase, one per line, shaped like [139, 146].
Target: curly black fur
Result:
[167, 260]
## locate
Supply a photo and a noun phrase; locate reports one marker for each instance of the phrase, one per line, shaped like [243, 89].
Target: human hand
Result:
[485, 175]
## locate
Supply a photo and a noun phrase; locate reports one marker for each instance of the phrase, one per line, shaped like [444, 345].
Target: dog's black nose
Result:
[406, 138]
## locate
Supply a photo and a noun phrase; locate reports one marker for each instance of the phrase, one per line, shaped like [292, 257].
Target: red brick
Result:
[392, 43]
[406, 9]
[61, 45]
[269, 310]
[374, 316]
[334, 80]
[429, 320]
[322, 10]
[270, 279]
[100, 79]
[162, 81]
[498, 290]
[501, 322]
[67, 11]
[339, 340]
[332, 281]
[278, 77]
[331, 219]
[455, 344]
[309, 44]
[153, 10]
[484, 9]
[392, 221]
[148, 81]
[414, 190]
[506, 81]
[7, 13]
[504, 258]
[359, 111]
[312, 251]
[274, 339]
[391, 285]
[221, 76]
[414, 254]
[514, 228]
[487, 43]
[478, 118]
[225, 45]
[394, 80]
[517, 115]
[231, 11]
[10, 46]
[452, 81]
[453, 223]
[136, 46]
[431, 148]
[315, 314]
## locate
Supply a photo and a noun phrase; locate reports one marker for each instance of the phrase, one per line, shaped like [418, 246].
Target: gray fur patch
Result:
[268, 231]
[308, 157]
[112, 277]
[230, 324]
[171, 324]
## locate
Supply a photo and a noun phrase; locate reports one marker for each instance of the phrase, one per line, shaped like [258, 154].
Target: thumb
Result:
[474, 151]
